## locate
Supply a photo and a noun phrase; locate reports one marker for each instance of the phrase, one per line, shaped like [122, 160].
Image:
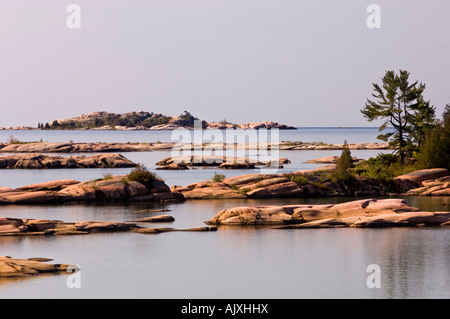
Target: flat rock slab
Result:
[223, 162]
[51, 147]
[156, 219]
[14, 267]
[42, 227]
[30, 227]
[328, 160]
[160, 230]
[362, 213]
[425, 174]
[57, 147]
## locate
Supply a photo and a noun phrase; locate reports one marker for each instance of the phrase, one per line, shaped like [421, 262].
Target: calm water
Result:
[234, 262]
[17, 178]
[332, 135]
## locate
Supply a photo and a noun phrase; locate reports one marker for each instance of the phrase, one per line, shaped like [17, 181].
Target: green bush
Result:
[13, 140]
[125, 181]
[385, 167]
[142, 175]
[107, 176]
[434, 152]
[218, 177]
[298, 179]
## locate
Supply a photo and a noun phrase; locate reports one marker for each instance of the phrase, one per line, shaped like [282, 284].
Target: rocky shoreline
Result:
[434, 182]
[61, 147]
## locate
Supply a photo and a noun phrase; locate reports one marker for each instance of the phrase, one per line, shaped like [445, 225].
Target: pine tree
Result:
[435, 149]
[344, 164]
[402, 106]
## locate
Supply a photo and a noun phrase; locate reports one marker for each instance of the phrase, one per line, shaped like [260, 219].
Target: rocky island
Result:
[361, 213]
[46, 227]
[40, 161]
[222, 162]
[142, 120]
[108, 189]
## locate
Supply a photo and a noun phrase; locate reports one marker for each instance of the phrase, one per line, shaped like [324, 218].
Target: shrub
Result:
[434, 152]
[385, 167]
[142, 175]
[13, 140]
[218, 177]
[107, 176]
[299, 179]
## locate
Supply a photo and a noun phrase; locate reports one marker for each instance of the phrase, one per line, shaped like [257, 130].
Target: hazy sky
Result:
[302, 63]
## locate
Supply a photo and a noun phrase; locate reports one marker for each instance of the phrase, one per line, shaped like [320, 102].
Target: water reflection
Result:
[234, 262]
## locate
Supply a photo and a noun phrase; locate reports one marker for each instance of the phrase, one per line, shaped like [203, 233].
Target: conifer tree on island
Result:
[434, 152]
[401, 105]
[344, 163]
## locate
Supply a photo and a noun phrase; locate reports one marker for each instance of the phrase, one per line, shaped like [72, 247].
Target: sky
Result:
[301, 63]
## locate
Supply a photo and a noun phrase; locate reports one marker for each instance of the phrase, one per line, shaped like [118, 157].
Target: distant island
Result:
[143, 121]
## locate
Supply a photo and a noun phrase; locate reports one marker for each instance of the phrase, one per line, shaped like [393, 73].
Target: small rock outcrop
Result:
[15, 267]
[328, 160]
[223, 162]
[157, 219]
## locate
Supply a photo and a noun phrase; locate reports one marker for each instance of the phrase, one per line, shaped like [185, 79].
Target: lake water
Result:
[234, 262]
[17, 178]
[331, 135]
